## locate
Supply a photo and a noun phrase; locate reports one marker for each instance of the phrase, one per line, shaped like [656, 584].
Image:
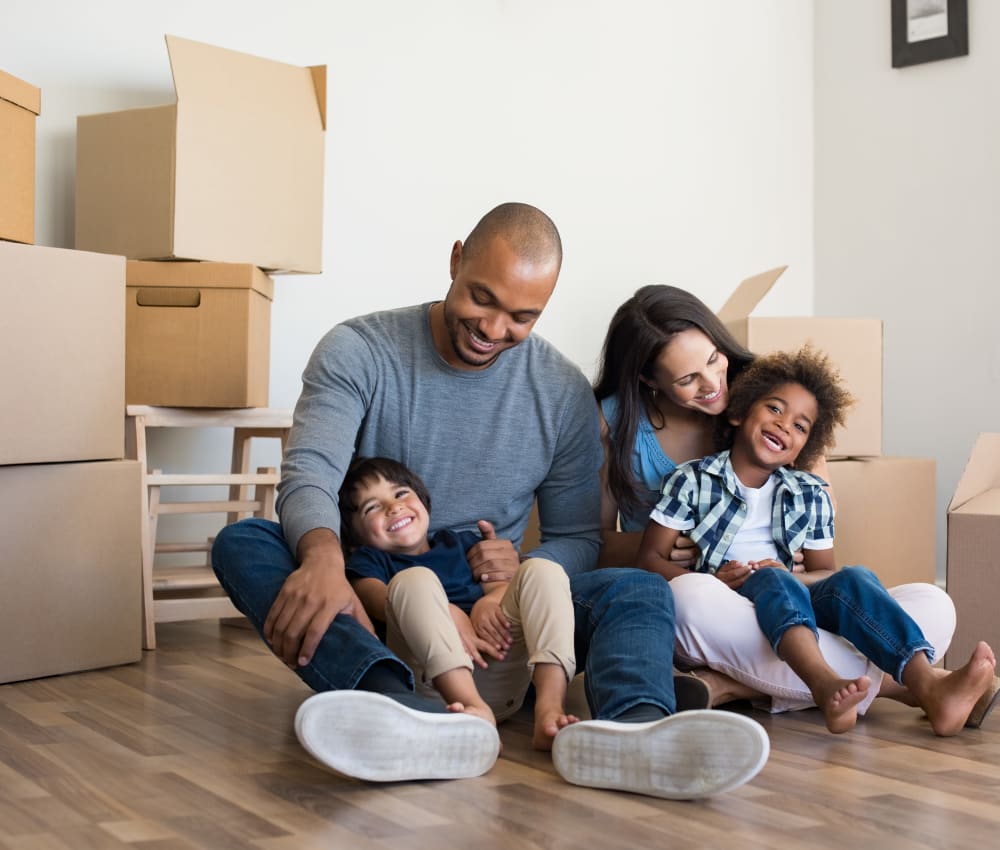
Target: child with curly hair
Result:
[751, 506]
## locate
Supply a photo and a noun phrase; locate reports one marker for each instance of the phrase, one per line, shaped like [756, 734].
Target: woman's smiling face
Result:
[691, 373]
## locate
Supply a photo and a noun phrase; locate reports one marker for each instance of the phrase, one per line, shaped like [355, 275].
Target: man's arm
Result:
[328, 415]
[569, 499]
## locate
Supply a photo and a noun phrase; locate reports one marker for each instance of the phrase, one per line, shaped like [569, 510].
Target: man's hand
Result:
[309, 600]
[493, 559]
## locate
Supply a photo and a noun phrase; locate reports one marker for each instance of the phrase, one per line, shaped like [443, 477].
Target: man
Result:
[491, 418]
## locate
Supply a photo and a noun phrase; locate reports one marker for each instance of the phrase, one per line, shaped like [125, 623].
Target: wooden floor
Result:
[193, 747]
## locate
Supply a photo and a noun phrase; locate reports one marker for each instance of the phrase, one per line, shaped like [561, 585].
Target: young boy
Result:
[749, 509]
[439, 620]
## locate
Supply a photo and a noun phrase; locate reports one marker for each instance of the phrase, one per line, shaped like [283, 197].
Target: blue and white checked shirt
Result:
[702, 498]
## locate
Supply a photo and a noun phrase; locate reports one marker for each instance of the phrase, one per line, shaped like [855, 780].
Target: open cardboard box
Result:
[197, 334]
[20, 105]
[974, 550]
[853, 345]
[62, 346]
[231, 172]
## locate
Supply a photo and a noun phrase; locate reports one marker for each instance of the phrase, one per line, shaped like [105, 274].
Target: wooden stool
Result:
[192, 592]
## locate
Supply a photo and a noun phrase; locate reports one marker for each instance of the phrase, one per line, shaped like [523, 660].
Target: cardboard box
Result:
[20, 105]
[232, 172]
[62, 346]
[973, 577]
[70, 567]
[886, 516]
[197, 334]
[853, 345]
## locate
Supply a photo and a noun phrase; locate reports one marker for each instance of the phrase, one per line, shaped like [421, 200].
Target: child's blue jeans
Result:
[851, 603]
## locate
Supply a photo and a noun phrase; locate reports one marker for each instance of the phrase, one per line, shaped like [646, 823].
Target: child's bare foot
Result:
[839, 702]
[481, 710]
[949, 699]
[548, 722]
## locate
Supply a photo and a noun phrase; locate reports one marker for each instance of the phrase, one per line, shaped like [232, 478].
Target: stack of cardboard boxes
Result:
[205, 197]
[69, 504]
[885, 505]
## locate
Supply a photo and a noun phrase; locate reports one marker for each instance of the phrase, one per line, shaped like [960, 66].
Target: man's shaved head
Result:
[530, 233]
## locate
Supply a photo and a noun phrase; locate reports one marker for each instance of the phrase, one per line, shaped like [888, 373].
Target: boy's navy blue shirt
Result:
[446, 559]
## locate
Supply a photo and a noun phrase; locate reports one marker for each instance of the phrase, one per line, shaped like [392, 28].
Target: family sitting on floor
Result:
[684, 520]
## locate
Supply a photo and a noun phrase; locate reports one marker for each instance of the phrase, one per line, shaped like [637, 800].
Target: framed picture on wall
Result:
[928, 30]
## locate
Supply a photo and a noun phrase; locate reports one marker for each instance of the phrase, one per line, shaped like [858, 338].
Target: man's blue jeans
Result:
[851, 603]
[624, 624]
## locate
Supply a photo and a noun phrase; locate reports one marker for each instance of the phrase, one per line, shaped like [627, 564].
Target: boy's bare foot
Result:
[548, 723]
[949, 699]
[839, 702]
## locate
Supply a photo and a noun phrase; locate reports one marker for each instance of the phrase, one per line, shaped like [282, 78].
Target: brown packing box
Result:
[853, 345]
[62, 343]
[885, 516]
[197, 334]
[69, 567]
[974, 551]
[232, 172]
[20, 105]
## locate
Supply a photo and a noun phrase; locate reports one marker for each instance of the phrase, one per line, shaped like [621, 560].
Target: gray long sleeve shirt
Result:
[486, 442]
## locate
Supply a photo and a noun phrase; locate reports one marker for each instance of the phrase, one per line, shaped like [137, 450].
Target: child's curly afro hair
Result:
[807, 367]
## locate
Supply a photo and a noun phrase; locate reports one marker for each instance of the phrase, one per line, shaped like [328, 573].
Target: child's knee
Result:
[413, 580]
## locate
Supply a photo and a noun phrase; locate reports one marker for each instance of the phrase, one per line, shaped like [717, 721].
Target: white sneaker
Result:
[370, 736]
[682, 757]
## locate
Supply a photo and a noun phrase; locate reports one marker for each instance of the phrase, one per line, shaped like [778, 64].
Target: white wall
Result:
[671, 141]
[907, 223]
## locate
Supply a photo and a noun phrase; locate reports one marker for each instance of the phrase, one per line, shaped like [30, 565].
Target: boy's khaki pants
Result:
[420, 630]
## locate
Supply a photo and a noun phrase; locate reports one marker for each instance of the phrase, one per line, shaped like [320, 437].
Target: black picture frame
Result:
[954, 43]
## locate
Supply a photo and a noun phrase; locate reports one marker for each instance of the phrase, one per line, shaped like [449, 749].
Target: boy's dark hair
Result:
[810, 369]
[364, 470]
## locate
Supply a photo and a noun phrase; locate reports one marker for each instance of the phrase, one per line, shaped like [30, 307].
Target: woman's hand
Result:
[685, 552]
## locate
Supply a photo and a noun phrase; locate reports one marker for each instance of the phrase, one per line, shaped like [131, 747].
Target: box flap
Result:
[249, 138]
[982, 471]
[198, 275]
[748, 295]
[319, 83]
[232, 81]
[983, 504]
[20, 93]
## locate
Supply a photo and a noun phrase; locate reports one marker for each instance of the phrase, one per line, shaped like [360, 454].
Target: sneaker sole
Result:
[694, 754]
[369, 736]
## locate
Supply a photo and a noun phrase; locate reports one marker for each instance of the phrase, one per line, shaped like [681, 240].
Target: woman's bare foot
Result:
[839, 702]
[948, 699]
[722, 688]
[548, 723]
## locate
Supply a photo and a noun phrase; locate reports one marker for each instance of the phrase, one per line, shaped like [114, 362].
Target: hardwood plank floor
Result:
[193, 748]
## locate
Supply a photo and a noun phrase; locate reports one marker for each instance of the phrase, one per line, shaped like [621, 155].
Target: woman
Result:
[664, 378]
